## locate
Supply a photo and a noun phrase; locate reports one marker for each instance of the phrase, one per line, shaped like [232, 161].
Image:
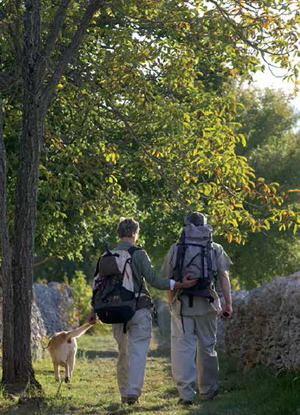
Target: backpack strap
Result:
[181, 249]
[134, 248]
[131, 251]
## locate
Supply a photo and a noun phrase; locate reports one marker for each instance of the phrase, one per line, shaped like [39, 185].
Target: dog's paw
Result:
[67, 380]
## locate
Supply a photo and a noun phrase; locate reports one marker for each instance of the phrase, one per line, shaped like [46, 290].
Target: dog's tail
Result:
[45, 348]
[79, 331]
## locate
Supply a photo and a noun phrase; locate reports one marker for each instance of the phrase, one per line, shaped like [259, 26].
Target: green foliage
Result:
[273, 149]
[144, 122]
[82, 293]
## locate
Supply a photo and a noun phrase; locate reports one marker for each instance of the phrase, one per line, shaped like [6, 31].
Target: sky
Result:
[267, 80]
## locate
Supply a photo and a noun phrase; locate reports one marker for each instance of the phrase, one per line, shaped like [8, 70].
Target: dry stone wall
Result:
[265, 327]
[54, 301]
[50, 313]
[38, 330]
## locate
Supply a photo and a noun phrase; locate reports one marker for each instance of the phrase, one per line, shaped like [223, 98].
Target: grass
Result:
[94, 388]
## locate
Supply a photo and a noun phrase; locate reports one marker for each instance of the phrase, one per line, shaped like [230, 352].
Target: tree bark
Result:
[7, 315]
[18, 372]
[26, 198]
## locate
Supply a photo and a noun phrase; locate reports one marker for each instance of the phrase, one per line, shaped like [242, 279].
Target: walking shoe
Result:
[209, 396]
[131, 400]
[124, 399]
[185, 402]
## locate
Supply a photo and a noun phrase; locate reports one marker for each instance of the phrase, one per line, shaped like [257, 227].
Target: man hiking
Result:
[194, 311]
[133, 337]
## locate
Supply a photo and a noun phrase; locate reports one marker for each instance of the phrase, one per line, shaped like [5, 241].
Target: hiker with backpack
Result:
[121, 298]
[194, 310]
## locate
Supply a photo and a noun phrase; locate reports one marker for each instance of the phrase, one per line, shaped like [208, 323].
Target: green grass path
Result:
[94, 388]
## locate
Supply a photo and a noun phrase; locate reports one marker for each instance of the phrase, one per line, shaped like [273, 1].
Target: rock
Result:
[38, 330]
[163, 321]
[265, 327]
[54, 301]
[163, 318]
[50, 313]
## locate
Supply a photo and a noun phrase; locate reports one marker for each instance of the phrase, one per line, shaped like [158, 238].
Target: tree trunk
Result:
[18, 371]
[26, 198]
[7, 315]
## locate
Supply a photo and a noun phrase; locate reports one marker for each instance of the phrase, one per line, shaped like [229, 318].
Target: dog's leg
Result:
[67, 372]
[71, 363]
[56, 372]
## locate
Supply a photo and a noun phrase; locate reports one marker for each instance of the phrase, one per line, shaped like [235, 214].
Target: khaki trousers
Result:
[133, 348]
[193, 356]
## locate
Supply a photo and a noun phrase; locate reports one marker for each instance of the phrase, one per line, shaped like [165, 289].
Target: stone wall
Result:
[50, 313]
[265, 327]
[38, 330]
[54, 301]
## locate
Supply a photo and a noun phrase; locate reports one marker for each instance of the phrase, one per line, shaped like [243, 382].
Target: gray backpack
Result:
[114, 298]
[196, 259]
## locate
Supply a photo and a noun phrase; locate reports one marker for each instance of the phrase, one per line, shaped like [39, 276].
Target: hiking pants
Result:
[133, 348]
[193, 356]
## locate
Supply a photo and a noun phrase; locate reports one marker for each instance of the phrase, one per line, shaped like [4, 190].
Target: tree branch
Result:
[238, 31]
[70, 51]
[157, 162]
[56, 26]
[42, 261]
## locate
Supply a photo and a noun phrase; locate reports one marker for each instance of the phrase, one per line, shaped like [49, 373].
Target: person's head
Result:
[196, 218]
[128, 228]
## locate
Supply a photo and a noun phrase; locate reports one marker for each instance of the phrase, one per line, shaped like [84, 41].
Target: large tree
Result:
[38, 82]
[273, 148]
[155, 124]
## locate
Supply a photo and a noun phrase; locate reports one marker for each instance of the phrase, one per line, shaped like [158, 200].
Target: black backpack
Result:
[196, 259]
[114, 299]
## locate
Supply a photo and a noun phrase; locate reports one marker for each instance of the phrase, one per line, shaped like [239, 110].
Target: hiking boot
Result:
[184, 402]
[131, 400]
[209, 396]
[124, 399]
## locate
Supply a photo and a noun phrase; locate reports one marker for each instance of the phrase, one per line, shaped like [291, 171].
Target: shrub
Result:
[82, 293]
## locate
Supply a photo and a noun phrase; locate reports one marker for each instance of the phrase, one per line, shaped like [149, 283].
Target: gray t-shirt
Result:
[200, 305]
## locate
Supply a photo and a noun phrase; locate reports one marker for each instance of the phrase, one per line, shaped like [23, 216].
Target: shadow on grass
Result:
[159, 352]
[119, 409]
[94, 354]
[26, 406]
[102, 354]
[169, 392]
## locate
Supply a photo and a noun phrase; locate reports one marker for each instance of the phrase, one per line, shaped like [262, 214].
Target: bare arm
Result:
[226, 290]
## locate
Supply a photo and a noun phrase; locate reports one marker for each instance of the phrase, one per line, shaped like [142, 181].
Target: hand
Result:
[92, 317]
[185, 283]
[226, 311]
